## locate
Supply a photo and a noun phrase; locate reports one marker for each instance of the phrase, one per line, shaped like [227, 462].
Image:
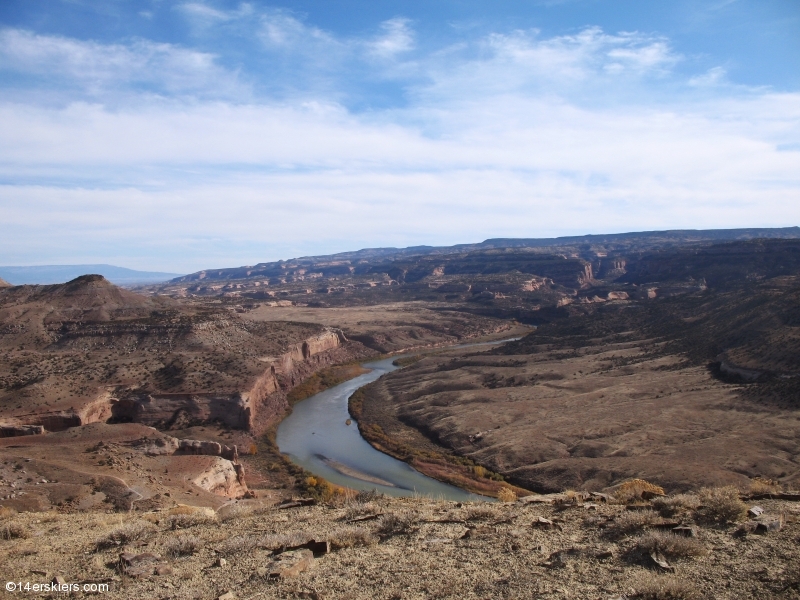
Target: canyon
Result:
[670, 357]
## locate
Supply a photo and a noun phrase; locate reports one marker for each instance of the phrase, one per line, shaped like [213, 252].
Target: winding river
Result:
[316, 437]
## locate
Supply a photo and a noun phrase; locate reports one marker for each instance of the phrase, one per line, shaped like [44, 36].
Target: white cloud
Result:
[500, 136]
[397, 37]
[108, 68]
[712, 77]
[203, 16]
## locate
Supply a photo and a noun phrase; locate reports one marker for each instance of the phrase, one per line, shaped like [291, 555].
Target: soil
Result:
[418, 548]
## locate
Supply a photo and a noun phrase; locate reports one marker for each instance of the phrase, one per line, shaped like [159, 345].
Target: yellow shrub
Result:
[635, 489]
[506, 495]
[479, 471]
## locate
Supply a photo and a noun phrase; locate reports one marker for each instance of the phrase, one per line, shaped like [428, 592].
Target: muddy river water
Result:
[316, 436]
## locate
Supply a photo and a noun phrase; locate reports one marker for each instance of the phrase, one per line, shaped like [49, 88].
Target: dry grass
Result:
[762, 485]
[183, 545]
[480, 512]
[351, 537]
[6, 512]
[284, 540]
[234, 512]
[670, 506]
[635, 489]
[238, 544]
[129, 532]
[632, 521]
[360, 509]
[398, 523]
[721, 505]
[184, 521]
[665, 587]
[12, 531]
[671, 545]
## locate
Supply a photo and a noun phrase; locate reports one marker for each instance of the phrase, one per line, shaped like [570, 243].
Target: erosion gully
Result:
[317, 437]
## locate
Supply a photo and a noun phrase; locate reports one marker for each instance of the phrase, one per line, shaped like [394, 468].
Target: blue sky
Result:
[184, 135]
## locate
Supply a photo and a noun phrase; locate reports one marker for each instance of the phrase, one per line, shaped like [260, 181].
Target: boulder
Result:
[658, 561]
[290, 564]
[139, 565]
[770, 525]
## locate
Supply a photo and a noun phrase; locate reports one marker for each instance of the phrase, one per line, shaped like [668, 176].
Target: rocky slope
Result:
[689, 388]
[88, 351]
[689, 547]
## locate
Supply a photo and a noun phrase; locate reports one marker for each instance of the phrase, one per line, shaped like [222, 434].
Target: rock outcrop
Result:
[252, 409]
[223, 478]
[20, 430]
[4, 283]
[222, 475]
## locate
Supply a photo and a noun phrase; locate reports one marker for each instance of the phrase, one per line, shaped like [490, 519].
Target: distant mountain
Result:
[585, 246]
[49, 274]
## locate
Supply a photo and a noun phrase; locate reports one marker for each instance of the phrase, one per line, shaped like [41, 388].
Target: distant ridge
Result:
[50, 274]
[642, 240]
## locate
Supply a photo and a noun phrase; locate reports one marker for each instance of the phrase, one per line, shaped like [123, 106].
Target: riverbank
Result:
[304, 475]
[425, 457]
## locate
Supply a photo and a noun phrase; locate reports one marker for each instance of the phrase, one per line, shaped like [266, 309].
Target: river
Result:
[316, 437]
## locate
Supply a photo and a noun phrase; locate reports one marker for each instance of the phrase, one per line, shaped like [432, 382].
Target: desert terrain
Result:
[141, 422]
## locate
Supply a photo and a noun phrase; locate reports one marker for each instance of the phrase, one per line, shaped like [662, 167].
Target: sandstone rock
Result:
[221, 478]
[297, 503]
[318, 548]
[770, 525]
[685, 530]
[558, 559]
[227, 596]
[290, 564]
[59, 580]
[157, 446]
[543, 523]
[221, 563]
[755, 511]
[542, 499]
[658, 561]
[599, 497]
[139, 565]
[791, 496]
[20, 430]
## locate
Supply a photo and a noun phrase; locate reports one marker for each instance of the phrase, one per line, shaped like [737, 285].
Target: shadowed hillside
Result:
[686, 374]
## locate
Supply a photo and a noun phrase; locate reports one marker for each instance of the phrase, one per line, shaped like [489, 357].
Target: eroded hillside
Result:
[694, 382]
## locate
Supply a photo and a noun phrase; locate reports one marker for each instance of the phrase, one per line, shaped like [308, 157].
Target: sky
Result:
[178, 136]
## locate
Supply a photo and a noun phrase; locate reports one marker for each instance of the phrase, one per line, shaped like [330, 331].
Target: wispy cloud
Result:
[107, 68]
[506, 134]
[396, 37]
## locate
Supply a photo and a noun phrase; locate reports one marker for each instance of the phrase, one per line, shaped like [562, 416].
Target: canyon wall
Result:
[253, 409]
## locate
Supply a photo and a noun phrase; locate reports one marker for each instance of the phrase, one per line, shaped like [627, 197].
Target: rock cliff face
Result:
[267, 397]
[252, 409]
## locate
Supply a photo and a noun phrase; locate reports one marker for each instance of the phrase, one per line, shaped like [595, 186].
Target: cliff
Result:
[253, 408]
